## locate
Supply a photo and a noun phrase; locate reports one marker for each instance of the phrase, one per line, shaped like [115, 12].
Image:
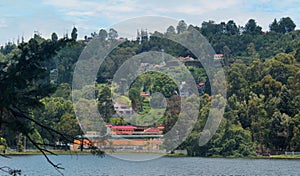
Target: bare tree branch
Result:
[13, 172]
[44, 152]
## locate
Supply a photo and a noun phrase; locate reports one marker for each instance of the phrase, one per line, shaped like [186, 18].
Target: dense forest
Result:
[262, 114]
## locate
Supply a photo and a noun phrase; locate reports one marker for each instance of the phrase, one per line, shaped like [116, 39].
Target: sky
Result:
[24, 17]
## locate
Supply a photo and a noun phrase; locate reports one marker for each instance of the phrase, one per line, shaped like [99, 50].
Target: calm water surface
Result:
[88, 165]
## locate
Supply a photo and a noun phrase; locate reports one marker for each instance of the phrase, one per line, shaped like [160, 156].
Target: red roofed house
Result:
[125, 138]
[201, 84]
[145, 94]
[160, 127]
[122, 130]
[218, 56]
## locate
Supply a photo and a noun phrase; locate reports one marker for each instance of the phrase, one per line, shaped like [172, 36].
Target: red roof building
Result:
[152, 130]
[145, 94]
[122, 130]
[160, 127]
[201, 84]
[218, 56]
[123, 127]
[133, 130]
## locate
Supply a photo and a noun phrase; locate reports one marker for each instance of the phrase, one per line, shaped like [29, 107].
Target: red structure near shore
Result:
[126, 138]
[133, 130]
[122, 130]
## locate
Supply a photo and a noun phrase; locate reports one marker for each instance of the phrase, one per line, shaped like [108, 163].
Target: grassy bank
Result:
[285, 157]
[57, 152]
[246, 157]
[61, 152]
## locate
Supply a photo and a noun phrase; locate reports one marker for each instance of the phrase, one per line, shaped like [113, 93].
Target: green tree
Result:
[274, 26]
[237, 83]
[181, 27]
[259, 121]
[36, 137]
[285, 58]
[20, 144]
[232, 28]
[54, 37]
[268, 87]
[112, 34]
[88, 116]
[102, 34]
[74, 34]
[294, 131]
[105, 104]
[171, 30]
[68, 125]
[279, 134]
[297, 54]
[209, 28]
[287, 102]
[234, 141]
[251, 51]
[136, 99]
[65, 60]
[3, 143]
[55, 108]
[252, 28]
[63, 90]
[286, 25]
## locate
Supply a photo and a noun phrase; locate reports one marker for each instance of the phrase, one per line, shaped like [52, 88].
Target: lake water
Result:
[89, 165]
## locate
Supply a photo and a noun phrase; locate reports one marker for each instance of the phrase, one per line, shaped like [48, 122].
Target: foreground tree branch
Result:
[10, 171]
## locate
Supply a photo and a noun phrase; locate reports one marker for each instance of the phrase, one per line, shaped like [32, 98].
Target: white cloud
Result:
[84, 13]
[3, 23]
[121, 9]
[192, 11]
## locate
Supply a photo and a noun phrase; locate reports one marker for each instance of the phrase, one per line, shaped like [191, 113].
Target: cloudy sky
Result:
[23, 17]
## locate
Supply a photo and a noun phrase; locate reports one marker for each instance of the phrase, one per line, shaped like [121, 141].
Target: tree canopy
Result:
[262, 73]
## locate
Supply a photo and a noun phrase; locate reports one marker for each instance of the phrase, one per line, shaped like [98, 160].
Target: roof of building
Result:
[136, 136]
[160, 127]
[152, 130]
[221, 55]
[123, 127]
[85, 141]
[145, 93]
[185, 58]
[201, 84]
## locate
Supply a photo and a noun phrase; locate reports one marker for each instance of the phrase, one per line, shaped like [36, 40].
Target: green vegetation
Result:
[262, 71]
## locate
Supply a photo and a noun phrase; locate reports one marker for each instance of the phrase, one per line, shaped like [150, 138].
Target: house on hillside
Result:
[123, 110]
[145, 94]
[218, 56]
[187, 58]
[122, 130]
[201, 87]
[123, 138]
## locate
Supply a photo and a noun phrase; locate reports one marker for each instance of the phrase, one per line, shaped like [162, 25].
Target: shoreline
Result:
[59, 152]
